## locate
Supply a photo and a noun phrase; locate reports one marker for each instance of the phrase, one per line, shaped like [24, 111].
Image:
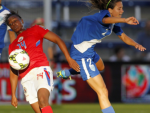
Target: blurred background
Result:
[127, 70]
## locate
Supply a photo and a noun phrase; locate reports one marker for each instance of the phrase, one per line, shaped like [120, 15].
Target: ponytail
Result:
[103, 4]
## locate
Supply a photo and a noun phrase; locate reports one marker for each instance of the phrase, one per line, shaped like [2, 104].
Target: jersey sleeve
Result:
[41, 30]
[102, 14]
[117, 29]
[9, 29]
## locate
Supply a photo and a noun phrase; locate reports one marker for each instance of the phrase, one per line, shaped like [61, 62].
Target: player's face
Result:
[15, 23]
[117, 11]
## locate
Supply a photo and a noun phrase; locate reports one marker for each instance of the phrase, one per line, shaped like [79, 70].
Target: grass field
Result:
[80, 108]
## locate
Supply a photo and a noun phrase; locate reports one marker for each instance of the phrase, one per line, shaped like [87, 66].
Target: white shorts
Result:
[40, 77]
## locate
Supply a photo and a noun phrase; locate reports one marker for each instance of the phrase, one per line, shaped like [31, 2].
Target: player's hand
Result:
[132, 21]
[73, 64]
[140, 47]
[14, 101]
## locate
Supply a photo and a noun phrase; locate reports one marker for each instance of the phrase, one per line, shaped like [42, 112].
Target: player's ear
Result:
[110, 10]
[22, 22]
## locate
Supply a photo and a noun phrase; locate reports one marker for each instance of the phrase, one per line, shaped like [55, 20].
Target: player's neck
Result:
[20, 31]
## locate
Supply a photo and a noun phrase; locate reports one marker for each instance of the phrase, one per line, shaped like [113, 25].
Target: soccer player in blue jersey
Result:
[91, 30]
[4, 27]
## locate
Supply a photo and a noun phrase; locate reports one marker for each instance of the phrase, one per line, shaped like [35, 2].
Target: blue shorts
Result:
[88, 67]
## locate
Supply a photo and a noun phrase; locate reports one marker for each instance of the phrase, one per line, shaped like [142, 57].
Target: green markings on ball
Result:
[24, 52]
[23, 65]
[12, 57]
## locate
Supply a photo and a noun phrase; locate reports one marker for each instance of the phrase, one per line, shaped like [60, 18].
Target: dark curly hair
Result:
[103, 4]
[11, 14]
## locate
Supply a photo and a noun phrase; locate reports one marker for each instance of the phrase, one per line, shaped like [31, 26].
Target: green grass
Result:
[80, 108]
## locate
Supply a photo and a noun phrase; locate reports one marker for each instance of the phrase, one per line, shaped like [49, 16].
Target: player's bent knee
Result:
[43, 102]
[102, 68]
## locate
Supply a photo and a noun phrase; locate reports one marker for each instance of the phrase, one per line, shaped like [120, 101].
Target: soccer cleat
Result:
[61, 74]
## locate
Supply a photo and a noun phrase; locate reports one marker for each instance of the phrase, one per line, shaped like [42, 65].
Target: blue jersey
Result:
[89, 31]
[3, 26]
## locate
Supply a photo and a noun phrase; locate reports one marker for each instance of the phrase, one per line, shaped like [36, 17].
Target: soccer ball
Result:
[19, 59]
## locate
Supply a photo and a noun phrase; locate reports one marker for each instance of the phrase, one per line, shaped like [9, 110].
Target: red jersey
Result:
[31, 40]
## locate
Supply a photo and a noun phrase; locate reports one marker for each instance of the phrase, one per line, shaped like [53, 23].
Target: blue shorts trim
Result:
[47, 76]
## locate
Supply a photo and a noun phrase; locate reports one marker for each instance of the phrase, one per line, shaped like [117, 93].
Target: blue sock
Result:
[108, 110]
[70, 72]
[67, 73]
[73, 72]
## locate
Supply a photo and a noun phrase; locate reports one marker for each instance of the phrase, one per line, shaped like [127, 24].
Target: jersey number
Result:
[22, 44]
[92, 67]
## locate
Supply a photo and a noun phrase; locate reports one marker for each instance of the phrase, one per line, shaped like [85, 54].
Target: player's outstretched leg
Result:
[65, 74]
[98, 85]
[43, 97]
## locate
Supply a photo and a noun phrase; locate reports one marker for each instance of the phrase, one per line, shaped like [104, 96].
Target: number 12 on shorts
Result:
[92, 67]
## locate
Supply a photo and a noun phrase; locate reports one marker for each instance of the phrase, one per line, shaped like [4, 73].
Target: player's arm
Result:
[13, 81]
[54, 38]
[111, 20]
[131, 42]
[12, 36]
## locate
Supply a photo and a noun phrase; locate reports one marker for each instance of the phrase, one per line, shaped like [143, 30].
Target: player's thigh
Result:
[100, 65]
[36, 108]
[43, 92]
[43, 97]
[98, 61]
[97, 84]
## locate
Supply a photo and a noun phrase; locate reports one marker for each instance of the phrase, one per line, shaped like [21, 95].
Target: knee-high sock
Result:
[70, 72]
[108, 110]
[47, 109]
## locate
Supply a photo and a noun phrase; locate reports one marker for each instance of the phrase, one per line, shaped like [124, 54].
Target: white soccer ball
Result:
[19, 59]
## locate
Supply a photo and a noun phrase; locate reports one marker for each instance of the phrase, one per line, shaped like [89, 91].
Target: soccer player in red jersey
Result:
[37, 79]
